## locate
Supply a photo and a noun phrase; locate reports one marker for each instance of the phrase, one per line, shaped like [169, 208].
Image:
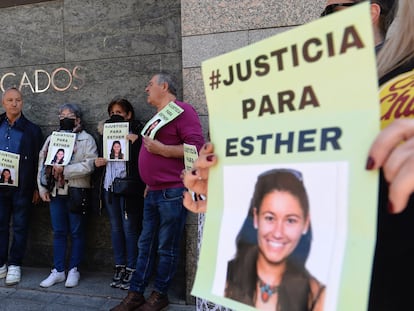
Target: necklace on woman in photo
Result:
[266, 291]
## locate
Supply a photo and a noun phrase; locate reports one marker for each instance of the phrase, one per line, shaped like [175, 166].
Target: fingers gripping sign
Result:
[393, 151]
[197, 180]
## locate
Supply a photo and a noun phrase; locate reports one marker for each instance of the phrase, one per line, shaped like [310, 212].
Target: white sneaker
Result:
[13, 275]
[73, 278]
[3, 271]
[53, 278]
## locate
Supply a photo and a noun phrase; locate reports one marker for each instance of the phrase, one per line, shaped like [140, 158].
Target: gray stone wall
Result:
[115, 47]
[214, 27]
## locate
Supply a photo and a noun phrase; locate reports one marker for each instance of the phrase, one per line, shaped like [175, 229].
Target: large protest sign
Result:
[304, 101]
[60, 148]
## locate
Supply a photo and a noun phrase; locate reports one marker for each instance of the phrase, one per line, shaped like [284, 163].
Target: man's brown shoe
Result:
[155, 302]
[131, 302]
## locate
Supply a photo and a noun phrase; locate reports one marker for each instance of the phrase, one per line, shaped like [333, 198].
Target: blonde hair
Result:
[399, 47]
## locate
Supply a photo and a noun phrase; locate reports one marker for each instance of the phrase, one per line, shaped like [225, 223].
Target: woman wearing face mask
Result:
[66, 221]
[124, 211]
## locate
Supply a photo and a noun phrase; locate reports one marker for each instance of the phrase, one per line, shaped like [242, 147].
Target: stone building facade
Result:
[89, 51]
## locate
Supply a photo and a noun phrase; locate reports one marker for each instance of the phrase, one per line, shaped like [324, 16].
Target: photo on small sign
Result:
[7, 176]
[285, 234]
[152, 126]
[59, 156]
[116, 149]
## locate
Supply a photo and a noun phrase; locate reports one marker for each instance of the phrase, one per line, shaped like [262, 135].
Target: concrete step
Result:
[92, 294]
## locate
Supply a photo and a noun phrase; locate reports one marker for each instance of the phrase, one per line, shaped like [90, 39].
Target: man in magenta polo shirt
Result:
[161, 163]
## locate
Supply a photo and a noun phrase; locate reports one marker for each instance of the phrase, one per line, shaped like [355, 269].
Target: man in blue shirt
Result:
[18, 136]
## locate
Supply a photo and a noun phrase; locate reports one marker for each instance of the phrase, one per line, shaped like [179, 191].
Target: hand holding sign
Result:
[197, 179]
[393, 151]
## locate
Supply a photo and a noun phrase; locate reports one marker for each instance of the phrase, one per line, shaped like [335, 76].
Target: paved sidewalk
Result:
[92, 294]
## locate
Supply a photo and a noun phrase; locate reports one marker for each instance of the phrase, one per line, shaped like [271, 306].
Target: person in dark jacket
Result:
[25, 139]
[125, 211]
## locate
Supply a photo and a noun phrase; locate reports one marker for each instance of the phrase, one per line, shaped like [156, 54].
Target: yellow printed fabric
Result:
[397, 98]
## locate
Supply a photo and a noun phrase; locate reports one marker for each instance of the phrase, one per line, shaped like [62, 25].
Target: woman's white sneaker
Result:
[13, 276]
[73, 278]
[53, 278]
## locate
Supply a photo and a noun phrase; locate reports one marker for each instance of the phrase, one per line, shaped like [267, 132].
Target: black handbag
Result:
[79, 200]
[126, 186]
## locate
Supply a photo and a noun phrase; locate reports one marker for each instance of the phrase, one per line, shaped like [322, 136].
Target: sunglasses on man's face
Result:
[332, 8]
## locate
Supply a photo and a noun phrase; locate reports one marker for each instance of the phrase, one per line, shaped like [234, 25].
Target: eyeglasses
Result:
[329, 9]
[69, 116]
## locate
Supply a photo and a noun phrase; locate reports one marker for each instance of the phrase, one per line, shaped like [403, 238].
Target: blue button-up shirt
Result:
[10, 136]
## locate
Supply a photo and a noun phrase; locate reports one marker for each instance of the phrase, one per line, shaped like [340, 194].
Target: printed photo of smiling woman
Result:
[265, 275]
